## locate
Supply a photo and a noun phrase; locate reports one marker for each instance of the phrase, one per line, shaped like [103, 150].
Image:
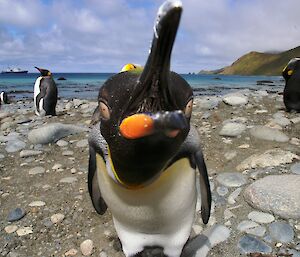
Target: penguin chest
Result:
[38, 98]
[159, 214]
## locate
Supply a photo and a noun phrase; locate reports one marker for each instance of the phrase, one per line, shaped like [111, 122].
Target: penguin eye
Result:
[104, 111]
[188, 109]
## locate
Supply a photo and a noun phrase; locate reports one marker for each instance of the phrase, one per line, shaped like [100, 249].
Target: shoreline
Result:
[48, 181]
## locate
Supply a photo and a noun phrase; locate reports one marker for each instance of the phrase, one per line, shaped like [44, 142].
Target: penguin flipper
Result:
[94, 190]
[192, 148]
[204, 186]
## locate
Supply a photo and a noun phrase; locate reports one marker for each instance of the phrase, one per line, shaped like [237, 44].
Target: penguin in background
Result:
[4, 98]
[291, 93]
[45, 94]
[144, 153]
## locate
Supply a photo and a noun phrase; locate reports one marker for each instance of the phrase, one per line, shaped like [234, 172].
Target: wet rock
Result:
[265, 133]
[281, 232]
[231, 179]
[261, 217]
[51, 133]
[235, 99]
[232, 129]
[249, 244]
[273, 157]
[295, 168]
[16, 214]
[86, 247]
[36, 170]
[278, 194]
[29, 153]
[68, 180]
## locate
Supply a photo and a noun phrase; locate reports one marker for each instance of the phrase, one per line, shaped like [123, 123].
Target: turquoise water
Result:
[86, 85]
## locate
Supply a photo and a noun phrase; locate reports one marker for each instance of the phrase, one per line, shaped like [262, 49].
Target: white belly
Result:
[35, 93]
[160, 214]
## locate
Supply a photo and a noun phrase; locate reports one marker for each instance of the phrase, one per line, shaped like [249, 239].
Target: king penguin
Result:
[291, 93]
[4, 98]
[45, 94]
[144, 153]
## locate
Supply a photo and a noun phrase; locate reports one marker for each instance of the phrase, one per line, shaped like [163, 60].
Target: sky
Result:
[103, 35]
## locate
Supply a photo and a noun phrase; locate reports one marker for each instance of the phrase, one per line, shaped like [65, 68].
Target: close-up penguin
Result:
[45, 94]
[291, 93]
[144, 154]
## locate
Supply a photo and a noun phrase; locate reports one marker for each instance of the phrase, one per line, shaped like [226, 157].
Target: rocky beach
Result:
[252, 151]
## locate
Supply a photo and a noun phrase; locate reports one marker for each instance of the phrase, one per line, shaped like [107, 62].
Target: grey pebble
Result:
[16, 214]
[235, 194]
[82, 143]
[295, 168]
[281, 232]
[261, 217]
[15, 145]
[266, 133]
[246, 224]
[28, 153]
[249, 244]
[68, 180]
[257, 231]
[232, 129]
[222, 190]
[62, 143]
[36, 170]
[231, 179]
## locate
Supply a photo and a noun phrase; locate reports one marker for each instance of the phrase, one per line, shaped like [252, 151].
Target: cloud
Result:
[99, 36]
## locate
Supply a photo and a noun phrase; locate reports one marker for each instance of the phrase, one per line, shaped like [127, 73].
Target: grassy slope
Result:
[255, 63]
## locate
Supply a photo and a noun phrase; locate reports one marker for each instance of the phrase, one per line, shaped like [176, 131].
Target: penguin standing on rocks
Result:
[4, 98]
[291, 93]
[144, 153]
[45, 93]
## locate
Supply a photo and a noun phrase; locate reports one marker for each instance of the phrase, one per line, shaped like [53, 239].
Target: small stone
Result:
[244, 146]
[261, 217]
[57, 218]
[62, 143]
[232, 197]
[24, 231]
[10, 229]
[295, 141]
[281, 232]
[73, 170]
[230, 155]
[295, 168]
[249, 244]
[232, 129]
[15, 146]
[67, 153]
[29, 153]
[68, 180]
[222, 190]
[86, 247]
[270, 158]
[36, 170]
[57, 166]
[103, 254]
[257, 231]
[16, 214]
[295, 120]
[265, 133]
[235, 99]
[231, 179]
[197, 229]
[37, 204]
[71, 252]
[82, 143]
[246, 224]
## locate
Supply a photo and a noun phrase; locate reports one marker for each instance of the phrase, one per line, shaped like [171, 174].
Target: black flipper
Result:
[204, 187]
[191, 149]
[94, 190]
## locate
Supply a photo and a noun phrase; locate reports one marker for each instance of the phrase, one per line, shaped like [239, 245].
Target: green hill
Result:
[255, 63]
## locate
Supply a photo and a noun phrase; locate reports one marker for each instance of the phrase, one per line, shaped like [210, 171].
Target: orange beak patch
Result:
[137, 126]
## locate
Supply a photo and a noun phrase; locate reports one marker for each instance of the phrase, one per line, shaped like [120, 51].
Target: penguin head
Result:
[44, 72]
[292, 67]
[145, 116]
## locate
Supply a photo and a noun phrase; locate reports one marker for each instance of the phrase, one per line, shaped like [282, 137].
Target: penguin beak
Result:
[38, 69]
[141, 125]
[153, 81]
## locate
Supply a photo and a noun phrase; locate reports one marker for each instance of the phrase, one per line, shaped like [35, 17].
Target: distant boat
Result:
[14, 70]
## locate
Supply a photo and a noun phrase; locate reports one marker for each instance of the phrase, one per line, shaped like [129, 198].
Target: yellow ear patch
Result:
[131, 67]
[290, 72]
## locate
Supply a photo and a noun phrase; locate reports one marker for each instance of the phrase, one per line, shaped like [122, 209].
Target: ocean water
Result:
[86, 85]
